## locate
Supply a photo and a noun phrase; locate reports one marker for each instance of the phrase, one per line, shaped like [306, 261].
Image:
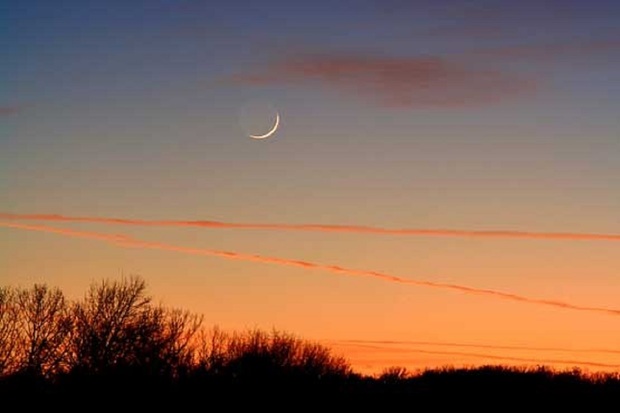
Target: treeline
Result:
[117, 327]
[116, 343]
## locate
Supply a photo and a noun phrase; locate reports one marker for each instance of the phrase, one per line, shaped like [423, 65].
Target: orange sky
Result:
[441, 173]
[469, 341]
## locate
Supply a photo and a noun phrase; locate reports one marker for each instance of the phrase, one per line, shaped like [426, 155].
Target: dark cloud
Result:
[415, 82]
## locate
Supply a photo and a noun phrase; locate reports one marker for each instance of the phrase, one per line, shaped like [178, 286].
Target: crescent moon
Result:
[271, 132]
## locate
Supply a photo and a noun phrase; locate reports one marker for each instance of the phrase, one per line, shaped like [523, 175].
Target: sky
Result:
[411, 208]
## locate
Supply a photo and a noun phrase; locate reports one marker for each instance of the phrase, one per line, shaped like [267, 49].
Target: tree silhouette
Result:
[34, 328]
[117, 327]
[8, 332]
[256, 353]
[116, 344]
[211, 351]
[110, 325]
[170, 347]
[394, 374]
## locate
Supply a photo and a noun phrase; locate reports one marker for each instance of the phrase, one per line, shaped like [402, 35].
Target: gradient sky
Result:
[478, 115]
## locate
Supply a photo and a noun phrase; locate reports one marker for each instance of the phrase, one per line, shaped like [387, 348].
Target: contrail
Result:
[495, 357]
[130, 242]
[113, 238]
[471, 345]
[322, 228]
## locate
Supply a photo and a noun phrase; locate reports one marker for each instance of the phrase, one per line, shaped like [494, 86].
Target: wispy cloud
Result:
[130, 242]
[415, 82]
[500, 234]
[10, 110]
[69, 232]
[388, 343]
[386, 350]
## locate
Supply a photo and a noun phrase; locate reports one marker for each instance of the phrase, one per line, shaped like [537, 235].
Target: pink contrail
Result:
[129, 242]
[70, 233]
[322, 228]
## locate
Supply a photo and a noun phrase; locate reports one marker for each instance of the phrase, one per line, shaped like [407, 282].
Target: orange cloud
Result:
[419, 82]
[129, 242]
[323, 228]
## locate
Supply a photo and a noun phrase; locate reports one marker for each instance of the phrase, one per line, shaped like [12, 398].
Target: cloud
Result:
[383, 350]
[499, 234]
[470, 345]
[10, 110]
[130, 242]
[69, 232]
[414, 82]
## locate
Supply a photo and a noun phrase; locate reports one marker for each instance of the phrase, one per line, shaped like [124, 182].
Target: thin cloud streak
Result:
[114, 238]
[500, 234]
[10, 110]
[470, 345]
[129, 242]
[493, 356]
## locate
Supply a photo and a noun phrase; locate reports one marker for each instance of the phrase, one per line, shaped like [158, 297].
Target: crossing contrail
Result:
[130, 242]
[574, 236]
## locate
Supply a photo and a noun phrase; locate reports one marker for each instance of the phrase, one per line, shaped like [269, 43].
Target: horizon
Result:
[48, 304]
[417, 184]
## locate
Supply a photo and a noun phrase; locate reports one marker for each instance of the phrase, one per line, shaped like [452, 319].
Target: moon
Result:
[271, 132]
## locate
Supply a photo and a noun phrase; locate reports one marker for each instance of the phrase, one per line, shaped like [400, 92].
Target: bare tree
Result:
[108, 324]
[8, 331]
[177, 341]
[116, 326]
[43, 327]
[256, 353]
[212, 349]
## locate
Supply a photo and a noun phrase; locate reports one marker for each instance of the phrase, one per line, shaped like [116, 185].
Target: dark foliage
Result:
[115, 349]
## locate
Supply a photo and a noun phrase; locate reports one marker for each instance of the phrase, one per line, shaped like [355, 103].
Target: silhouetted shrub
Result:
[394, 374]
[256, 353]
